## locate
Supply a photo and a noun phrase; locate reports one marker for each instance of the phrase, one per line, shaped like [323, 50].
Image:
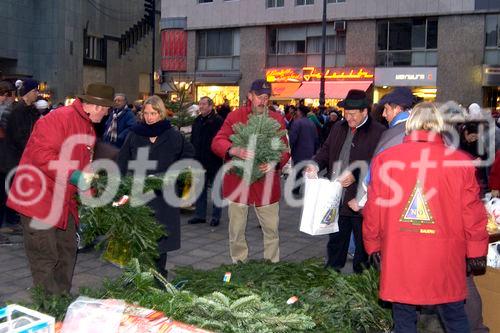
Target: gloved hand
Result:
[375, 260]
[476, 266]
[82, 180]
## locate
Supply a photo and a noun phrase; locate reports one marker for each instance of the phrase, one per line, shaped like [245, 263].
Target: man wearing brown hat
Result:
[351, 140]
[59, 148]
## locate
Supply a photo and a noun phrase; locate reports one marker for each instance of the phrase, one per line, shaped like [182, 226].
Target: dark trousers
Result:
[452, 315]
[474, 307]
[51, 254]
[7, 215]
[339, 244]
[298, 179]
[202, 202]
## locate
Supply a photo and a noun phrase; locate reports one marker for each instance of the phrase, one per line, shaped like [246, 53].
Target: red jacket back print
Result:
[233, 187]
[431, 226]
[34, 192]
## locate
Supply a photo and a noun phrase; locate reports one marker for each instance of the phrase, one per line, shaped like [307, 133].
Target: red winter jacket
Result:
[431, 226]
[34, 192]
[233, 188]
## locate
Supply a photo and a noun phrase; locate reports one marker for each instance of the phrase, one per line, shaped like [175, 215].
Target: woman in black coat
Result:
[166, 146]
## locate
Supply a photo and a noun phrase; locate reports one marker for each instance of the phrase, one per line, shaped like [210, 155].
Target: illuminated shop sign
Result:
[406, 76]
[314, 74]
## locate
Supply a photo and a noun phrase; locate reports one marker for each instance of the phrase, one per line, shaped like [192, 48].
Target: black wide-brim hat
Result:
[98, 94]
[355, 100]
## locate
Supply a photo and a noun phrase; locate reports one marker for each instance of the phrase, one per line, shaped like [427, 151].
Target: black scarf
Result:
[152, 130]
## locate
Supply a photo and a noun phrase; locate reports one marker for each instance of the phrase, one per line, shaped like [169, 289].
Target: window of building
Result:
[492, 51]
[407, 42]
[94, 50]
[205, 1]
[218, 49]
[300, 46]
[275, 3]
[335, 1]
[304, 2]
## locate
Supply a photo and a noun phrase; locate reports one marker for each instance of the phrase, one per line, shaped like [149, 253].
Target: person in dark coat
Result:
[20, 123]
[352, 140]
[224, 110]
[7, 95]
[333, 117]
[121, 118]
[166, 146]
[204, 129]
[303, 138]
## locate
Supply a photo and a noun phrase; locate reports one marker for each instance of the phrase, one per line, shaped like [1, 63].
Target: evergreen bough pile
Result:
[262, 134]
[255, 300]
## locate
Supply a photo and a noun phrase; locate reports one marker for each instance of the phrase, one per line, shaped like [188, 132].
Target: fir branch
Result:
[263, 134]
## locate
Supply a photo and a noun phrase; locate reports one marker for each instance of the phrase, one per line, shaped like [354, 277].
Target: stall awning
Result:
[284, 90]
[337, 89]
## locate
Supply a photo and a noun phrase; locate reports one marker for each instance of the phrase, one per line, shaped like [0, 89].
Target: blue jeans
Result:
[201, 203]
[452, 315]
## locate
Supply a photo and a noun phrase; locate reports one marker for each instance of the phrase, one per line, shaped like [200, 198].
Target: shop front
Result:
[218, 86]
[292, 84]
[220, 93]
[421, 80]
[491, 89]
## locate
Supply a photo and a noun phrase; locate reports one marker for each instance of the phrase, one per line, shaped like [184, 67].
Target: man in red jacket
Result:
[265, 193]
[425, 220]
[44, 188]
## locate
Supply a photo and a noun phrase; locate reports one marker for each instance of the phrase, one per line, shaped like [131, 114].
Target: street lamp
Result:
[323, 52]
[150, 9]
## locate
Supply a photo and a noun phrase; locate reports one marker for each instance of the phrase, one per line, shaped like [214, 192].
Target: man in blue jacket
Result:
[121, 118]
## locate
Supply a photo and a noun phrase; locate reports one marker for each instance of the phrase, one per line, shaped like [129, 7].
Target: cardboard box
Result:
[489, 289]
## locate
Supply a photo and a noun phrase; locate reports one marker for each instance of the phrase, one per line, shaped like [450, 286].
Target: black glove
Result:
[476, 266]
[375, 260]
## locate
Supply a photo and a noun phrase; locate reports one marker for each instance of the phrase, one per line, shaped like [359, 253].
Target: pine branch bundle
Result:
[129, 231]
[262, 134]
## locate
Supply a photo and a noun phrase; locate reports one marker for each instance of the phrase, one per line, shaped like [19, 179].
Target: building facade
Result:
[444, 50]
[69, 43]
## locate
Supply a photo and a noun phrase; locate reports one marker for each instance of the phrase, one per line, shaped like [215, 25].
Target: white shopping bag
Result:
[493, 258]
[320, 213]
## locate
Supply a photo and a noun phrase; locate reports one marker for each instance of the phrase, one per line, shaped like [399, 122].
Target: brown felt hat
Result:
[98, 94]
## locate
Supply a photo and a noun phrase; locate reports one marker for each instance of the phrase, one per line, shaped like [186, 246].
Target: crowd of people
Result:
[411, 215]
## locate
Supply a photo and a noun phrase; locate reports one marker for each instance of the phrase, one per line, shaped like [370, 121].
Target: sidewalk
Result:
[202, 247]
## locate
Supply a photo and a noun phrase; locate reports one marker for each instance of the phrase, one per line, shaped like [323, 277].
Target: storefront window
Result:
[220, 93]
[407, 42]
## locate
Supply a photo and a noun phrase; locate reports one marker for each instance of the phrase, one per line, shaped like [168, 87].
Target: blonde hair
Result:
[425, 117]
[157, 104]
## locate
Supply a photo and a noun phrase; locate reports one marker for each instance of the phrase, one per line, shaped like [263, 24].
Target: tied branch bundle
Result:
[127, 230]
[263, 135]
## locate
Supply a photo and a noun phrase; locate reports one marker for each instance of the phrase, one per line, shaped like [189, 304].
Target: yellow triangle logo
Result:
[417, 210]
